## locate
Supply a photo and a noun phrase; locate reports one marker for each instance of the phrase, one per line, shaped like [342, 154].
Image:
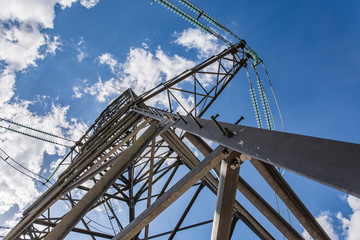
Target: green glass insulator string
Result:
[34, 136]
[254, 101]
[191, 19]
[34, 129]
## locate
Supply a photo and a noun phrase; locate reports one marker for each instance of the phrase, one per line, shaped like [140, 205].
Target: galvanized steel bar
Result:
[225, 200]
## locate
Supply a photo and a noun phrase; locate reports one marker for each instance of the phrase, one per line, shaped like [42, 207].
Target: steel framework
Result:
[136, 160]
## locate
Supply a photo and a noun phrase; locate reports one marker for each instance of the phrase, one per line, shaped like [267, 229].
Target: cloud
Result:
[19, 45]
[145, 68]
[102, 90]
[141, 71]
[109, 60]
[7, 83]
[206, 44]
[65, 3]
[325, 221]
[349, 226]
[81, 55]
[145, 45]
[53, 44]
[23, 43]
[80, 48]
[36, 11]
[89, 3]
[77, 92]
[15, 188]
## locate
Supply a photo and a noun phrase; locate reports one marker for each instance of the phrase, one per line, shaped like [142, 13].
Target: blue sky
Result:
[62, 52]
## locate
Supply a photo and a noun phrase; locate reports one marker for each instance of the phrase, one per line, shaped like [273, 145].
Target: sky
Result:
[63, 61]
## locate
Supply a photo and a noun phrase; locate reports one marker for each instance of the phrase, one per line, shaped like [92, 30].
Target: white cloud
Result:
[102, 90]
[144, 69]
[36, 11]
[350, 226]
[53, 44]
[7, 83]
[77, 92]
[81, 55]
[206, 44]
[141, 71]
[108, 59]
[89, 3]
[23, 43]
[144, 45]
[16, 189]
[80, 48]
[65, 3]
[19, 45]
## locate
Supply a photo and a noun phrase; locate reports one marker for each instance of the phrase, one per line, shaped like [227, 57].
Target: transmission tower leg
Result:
[123, 159]
[274, 217]
[226, 193]
[291, 200]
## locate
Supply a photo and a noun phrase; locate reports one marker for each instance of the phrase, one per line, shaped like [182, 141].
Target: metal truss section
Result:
[139, 171]
[200, 86]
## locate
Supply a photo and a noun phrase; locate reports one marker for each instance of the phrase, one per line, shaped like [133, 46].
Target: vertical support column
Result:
[151, 172]
[229, 174]
[131, 202]
[123, 159]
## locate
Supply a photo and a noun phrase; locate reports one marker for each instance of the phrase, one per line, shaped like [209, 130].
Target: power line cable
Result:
[19, 164]
[22, 172]
[273, 92]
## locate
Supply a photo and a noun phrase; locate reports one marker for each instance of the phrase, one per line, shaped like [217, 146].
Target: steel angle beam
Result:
[291, 200]
[330, 162]
[229, 173]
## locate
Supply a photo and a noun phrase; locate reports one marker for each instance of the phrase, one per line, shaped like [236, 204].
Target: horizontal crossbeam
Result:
[333, 163]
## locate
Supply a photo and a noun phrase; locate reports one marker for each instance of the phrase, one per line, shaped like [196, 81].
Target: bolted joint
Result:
[242, 44]
[131, 202]
[229, 133]
[235, 163]
[233, 160]
[78, 143]
[226, 152]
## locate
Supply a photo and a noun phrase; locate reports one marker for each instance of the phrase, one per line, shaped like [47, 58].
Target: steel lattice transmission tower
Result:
[142, 159]
[133, 147]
